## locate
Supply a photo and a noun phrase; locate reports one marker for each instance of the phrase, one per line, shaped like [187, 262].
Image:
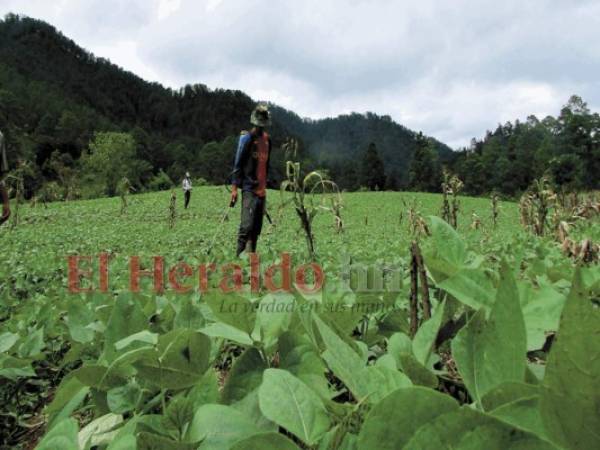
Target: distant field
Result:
[126, 371]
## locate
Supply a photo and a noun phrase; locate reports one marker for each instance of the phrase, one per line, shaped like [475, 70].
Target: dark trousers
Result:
[253, 209]
[186, 197]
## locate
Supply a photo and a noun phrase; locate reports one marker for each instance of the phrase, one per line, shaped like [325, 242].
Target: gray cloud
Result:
[451, 69]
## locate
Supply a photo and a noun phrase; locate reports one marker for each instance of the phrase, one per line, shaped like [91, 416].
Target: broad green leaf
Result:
[33, 344]
[179, 413]
[182, 360]
[424, 340]
[15, 368]
[466, 428]
[471, 287]
[506, 393]
[63, 436]
[206, 390]
[400, 348]
[219, 427]
[288, 402]
[298, 356]
[123, 399]
[448, 254]
[392, 422]
[100, 377]
[250, 407]
[233, 309]
[274, 316]
[79, 317]
[68, 396]
[265, 441]
[488, 353]
[126, 318]
[570, 397]
[7, 340]
[100, 431]
[245, 376]
[385, 381]
[542, 315]
[144, 337]
[346, 364]
[149, 441]
[189, 316]
[225, 331]
[524, 414]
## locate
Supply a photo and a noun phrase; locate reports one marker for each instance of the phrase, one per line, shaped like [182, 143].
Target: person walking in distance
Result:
[3, 170]
[250, 172]
[187, 189]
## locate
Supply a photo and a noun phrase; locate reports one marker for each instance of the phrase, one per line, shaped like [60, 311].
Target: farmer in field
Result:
[187, 189]
[250, 171]
[3, 170]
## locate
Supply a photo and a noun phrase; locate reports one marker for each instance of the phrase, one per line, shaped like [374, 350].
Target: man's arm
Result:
[240, 156]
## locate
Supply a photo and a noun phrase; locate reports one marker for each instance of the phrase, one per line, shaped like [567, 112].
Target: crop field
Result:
[399, 332]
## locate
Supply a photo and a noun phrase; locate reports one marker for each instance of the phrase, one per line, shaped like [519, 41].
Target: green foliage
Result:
[111, 158]
[217, 371]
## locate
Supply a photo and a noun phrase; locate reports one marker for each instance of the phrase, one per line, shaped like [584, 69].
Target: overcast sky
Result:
[452, 69]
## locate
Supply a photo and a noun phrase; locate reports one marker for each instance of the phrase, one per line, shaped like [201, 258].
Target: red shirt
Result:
[262, 154]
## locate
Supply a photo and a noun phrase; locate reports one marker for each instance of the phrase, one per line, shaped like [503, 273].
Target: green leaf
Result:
[570, 398]
[123, 399]
[70, 394]
[542, 315]
[288, 402]
[265, 441]
[232, 309]
[7, 340]
[144, 336]
[183, 357]
[33, 344]
[225, 331]
[490, 353]
[206, 390]
[179, 413]
[471, 287]
[150, 441]
[392, 422]
[400, 348]
[100, 431]
[274, 316]
[387, 381]
[189, 316]
[298, 356]
[346, 364]
[466, 428]
[508, 392]
[126, 318]
[448, 253]
[424, 340]
[79, 317]
[245, 376]
[524, 414]
[15, 368]
[219, 427]
[63, 436]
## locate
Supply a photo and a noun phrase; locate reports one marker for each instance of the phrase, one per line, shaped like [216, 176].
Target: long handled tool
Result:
[224, 218]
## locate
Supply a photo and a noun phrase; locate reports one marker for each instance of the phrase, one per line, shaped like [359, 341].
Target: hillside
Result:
[54, 95]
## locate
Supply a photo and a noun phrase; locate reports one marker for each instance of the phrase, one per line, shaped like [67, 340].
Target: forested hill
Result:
[54, 96]
[337, 140]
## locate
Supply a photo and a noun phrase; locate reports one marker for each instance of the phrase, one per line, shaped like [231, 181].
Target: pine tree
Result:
[372, 170]
[424, 173]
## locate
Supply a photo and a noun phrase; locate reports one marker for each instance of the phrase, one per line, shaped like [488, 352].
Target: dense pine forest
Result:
[63, 111]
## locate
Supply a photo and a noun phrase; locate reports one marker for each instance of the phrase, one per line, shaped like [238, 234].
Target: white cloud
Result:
[451, 69]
